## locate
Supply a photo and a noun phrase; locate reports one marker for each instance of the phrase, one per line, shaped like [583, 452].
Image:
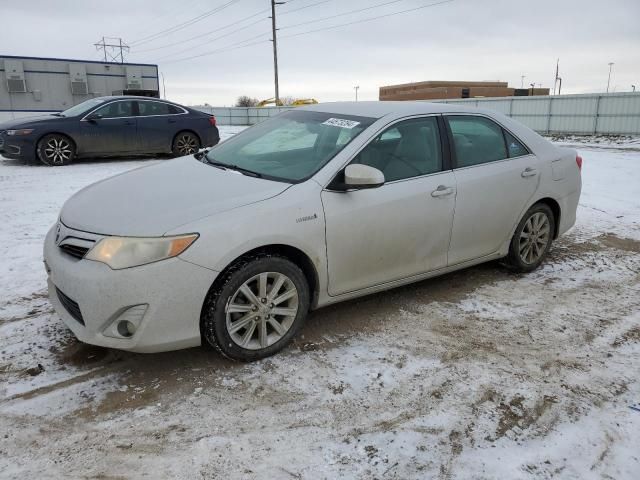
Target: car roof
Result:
[381, 109]
[107, 98]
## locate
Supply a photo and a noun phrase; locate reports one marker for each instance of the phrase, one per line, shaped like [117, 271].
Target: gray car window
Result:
[476, 140]
[516, 149]
[115, 110]
[154, 108]
[408, 149]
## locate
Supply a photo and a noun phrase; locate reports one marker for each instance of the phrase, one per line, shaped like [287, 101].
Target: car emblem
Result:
[58, 233]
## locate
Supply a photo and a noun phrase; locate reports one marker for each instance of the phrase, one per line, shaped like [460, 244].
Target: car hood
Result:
[26, 121]
[150, 201]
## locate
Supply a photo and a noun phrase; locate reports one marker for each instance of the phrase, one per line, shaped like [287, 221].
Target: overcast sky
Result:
[457, 40]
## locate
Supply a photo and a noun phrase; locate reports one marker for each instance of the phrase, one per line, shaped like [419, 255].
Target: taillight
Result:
[579, 162]
[212, 121]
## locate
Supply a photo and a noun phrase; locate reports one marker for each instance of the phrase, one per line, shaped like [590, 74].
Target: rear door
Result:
[158, 123]
[111, 129]
[496, 177]
[400, 229]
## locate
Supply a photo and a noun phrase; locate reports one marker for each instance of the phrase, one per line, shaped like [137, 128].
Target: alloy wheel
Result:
[262, 310]
[534, 238]
[58, 151]
[187, 145]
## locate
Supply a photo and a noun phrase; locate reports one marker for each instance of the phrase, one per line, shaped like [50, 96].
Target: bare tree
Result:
[287, 100]
[245, 101]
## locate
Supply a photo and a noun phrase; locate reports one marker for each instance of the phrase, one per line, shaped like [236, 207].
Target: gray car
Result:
[315, 206]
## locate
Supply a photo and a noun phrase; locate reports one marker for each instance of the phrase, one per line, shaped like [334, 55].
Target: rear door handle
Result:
[442, 191]
[529, 172]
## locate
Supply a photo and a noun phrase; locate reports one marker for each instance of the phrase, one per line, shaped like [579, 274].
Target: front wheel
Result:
[257, 308]
[56, 150]
[185, 143]
[532, 239]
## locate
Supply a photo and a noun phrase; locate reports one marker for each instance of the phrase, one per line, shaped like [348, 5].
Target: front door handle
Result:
[442, 191]
[529, 172]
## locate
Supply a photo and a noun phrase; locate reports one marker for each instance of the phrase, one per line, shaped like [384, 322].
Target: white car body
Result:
[349, 243]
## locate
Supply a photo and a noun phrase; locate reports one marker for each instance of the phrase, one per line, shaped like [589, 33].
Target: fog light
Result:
[126, 328]
[126, 323]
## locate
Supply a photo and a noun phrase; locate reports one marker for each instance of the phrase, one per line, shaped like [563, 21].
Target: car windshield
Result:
[82, 107]
[290, 147]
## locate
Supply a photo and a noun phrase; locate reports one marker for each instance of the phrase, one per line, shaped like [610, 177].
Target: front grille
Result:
[1, 139]
[72, 307]
[74, 250]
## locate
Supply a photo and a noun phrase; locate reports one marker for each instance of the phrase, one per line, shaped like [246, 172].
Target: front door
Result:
[111, 130]
[400, 229]
[496, 177]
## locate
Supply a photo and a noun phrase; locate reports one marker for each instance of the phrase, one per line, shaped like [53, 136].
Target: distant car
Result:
[109, 127]
[315, 206]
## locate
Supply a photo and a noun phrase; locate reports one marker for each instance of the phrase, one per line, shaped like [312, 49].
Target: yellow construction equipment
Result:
[295, 103]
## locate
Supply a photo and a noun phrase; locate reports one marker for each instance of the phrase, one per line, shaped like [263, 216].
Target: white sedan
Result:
[320, 204]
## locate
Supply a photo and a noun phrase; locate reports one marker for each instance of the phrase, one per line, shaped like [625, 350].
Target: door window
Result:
[516, 149]
[407, 149]
[115, 110]
[476, 140]
[155, 108]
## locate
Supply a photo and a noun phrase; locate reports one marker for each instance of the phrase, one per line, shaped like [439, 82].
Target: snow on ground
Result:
[477, 374]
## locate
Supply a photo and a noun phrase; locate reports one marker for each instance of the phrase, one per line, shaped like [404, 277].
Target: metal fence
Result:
[241, 115]
[590, 114]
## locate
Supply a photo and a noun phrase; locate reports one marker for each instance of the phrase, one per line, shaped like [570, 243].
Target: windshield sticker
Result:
[341, 122]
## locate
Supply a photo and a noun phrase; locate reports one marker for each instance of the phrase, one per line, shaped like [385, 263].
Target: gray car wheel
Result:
[532, 239]
[56, 150]
[257, 307]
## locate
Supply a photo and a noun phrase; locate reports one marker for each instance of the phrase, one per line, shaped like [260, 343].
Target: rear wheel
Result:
[185, 143]
[56, 150]
[532, 239]
[258, 307]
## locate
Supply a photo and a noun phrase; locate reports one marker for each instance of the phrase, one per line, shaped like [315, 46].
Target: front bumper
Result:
[173, 290]
[17, 147]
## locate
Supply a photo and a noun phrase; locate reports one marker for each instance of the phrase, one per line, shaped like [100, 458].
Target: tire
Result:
[56, 150]
[246, 329]
[532, 239]
[185, 143]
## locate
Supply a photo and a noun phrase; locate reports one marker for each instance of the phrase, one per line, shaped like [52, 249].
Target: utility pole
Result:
[633, 88]
[164, 88]
[275, 48]
[522, 77]
[555, 80]
[533, 85]
[356, 89]
[609, 80]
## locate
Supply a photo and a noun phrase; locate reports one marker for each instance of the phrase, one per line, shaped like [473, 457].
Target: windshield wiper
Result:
[228, 166]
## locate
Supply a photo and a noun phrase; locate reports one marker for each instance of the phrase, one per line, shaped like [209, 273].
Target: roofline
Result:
[78, 61]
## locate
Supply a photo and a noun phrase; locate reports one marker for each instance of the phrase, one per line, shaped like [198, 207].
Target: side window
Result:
[115, 110]
[476, 140]
[516, 149]
[154, 108]
[408, 149]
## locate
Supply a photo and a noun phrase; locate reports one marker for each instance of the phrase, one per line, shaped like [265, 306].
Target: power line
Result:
[233, 44]
[368, 19]
[303, 8]
[184, 24]
[342, 14]
[239, 45]
[204, 35]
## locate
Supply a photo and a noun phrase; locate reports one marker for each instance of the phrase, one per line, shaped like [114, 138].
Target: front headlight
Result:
[22, 131]
[125, 252]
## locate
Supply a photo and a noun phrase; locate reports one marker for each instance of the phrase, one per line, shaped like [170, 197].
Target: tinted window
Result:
[516, 149]
[408, 149]
[115, 110]
[154, 108]
[476, 140]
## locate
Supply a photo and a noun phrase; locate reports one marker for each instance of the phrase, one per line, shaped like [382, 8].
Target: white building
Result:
[34, 85]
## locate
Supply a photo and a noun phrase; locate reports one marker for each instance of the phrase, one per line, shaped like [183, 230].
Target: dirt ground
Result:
[481, 373]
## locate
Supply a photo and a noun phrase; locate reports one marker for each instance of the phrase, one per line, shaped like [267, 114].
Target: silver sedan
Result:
[233, 246]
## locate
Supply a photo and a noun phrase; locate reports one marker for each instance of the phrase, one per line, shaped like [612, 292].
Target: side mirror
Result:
[93, 117]
[362, 176]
